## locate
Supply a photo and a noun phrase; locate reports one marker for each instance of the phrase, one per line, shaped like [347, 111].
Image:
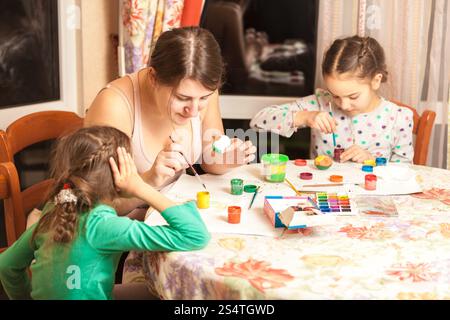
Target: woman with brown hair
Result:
[176, 97]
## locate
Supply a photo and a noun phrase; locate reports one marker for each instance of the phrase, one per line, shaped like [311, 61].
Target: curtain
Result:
[415, 38]
[140, 24]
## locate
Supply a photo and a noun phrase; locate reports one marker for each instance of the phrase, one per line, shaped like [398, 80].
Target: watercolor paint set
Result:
[339, 203]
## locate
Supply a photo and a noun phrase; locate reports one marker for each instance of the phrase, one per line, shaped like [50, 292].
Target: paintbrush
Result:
[192, 168]
[253, 198]
[331, 114]
[322, 185]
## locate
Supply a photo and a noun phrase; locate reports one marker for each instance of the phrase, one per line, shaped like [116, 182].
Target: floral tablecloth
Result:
[359, 257]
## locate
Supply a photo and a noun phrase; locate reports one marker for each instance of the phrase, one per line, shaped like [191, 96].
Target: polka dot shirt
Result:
[384, 132]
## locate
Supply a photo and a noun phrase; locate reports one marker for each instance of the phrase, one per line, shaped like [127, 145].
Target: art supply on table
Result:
[337, 154]
[370, 182]
[298, 192]
[192, 168]
[274, 166]
[322, 185]
[221, 144]
[369, 162]
[253, 198]
[292, 186]
[300, 162]
[376, 206]
[336, 203]
[237, 186]
[234, 214]
[366, 168]
[250, 188]
[306, 175]
[331, 114]
[380, 161]
[294, 212]
[336, 178]
[203, 200]
[323, 162]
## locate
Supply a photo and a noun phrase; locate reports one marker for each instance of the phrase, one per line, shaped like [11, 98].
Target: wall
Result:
[99, 28]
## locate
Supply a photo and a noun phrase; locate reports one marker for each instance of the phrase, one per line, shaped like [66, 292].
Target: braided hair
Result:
[83, 178]
[361, 56]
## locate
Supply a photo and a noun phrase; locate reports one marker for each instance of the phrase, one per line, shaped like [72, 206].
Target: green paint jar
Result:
[274, 166]
[237, 186]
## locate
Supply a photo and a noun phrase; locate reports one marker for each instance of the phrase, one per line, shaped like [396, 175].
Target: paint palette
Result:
[336, 203]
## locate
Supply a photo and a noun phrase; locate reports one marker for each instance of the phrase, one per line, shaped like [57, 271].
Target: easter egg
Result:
[323, 162]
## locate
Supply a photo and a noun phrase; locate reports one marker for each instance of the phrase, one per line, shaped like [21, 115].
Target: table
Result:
[358, 257]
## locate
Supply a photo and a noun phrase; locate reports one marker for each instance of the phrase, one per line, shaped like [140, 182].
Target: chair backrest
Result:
[12, 202]
[26, 131]
[423, 125]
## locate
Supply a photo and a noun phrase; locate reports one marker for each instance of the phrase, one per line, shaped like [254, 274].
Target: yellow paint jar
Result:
[203, 200]
[369, 163]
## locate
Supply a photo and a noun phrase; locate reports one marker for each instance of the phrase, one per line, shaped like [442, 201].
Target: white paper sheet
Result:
[393, 179]
[254, 221]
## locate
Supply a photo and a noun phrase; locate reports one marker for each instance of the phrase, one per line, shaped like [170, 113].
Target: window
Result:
[29, 52]
[269, 50]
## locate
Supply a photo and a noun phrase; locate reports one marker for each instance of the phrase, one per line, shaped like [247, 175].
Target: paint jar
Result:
[203, 200]
[234, 214]
[337, 154]
[380, 161]
[367, 168]
[369, 162]
[370, 182]
[274, 166]
[237, 186]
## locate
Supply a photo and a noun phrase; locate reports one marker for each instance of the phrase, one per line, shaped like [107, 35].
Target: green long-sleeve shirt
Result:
[85, 268]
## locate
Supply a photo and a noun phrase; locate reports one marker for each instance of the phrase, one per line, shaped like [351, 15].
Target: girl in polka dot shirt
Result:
[365, 124]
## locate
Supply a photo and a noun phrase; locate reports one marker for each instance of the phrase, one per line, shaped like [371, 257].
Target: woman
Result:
[176, 97]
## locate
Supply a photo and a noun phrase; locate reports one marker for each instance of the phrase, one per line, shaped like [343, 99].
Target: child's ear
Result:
[376, 81]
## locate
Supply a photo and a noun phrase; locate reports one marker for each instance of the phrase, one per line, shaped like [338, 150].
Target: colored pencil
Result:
[298, 192]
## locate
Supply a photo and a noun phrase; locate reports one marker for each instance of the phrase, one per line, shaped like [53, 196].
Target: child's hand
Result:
[357, 154]
[126, 178]
[167, 163]
[322, 121]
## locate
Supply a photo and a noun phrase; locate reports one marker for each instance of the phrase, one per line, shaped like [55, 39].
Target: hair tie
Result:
[66, 195]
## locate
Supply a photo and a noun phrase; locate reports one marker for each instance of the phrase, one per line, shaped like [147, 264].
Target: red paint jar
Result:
[234, 214]
[337, 154]
[370, 182]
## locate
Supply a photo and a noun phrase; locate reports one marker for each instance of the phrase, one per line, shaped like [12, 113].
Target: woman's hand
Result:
[239, 152]
[126, 178]
[321, 120]
[167, 163]
[357, 154]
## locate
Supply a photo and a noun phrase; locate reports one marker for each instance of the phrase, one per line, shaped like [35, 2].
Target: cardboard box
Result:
[295, 212]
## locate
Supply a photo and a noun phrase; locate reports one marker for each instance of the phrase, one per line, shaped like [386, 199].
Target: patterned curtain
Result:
[415, 37]
[141, 23]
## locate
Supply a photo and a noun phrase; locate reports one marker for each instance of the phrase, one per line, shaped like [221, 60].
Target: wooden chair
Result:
[12, 201]
[423, 124]
[26, 131]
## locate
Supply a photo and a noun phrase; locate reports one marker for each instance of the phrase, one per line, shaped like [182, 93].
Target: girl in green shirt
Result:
[78, 241]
